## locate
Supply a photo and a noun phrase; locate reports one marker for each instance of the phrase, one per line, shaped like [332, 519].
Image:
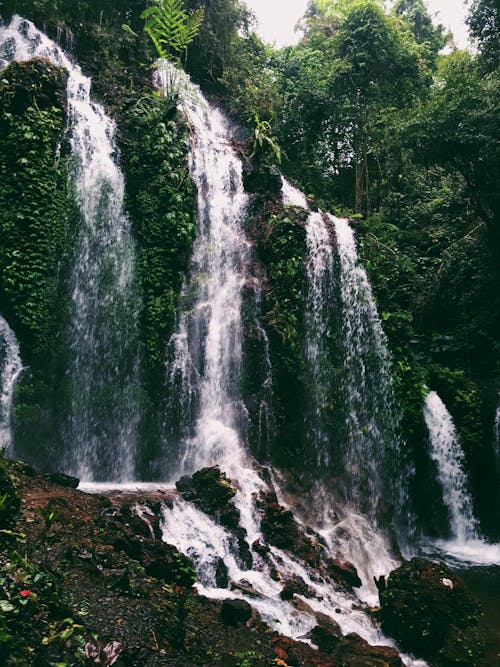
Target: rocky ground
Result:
[84, 580]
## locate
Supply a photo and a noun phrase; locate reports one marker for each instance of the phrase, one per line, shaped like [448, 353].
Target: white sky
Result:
[277, 18]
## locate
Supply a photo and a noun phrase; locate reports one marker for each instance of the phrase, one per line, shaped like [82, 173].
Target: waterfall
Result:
[371, 438]
[10, 368]
[446, 452]
[207, 417]
[103, 367]
[205, 351]
[373, 429]
[496, 432]
[318, 307]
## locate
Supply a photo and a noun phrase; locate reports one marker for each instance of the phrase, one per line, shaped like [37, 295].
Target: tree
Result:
[484, 26]
[355, 62]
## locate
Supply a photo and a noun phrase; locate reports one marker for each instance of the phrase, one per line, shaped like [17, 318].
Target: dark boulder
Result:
[325, 640]
[353, 651]
[278, 525]
[428, 609]
[60, 479]
[295, 586]
[235, 612]
[344, 572]
[160, 560]
[209, 489]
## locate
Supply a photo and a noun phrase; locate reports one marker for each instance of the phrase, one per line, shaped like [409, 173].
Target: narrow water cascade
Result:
[496, 433]
[103, 362]
[371, 454]
[446, 452]
[320, 274]
[373, 433]
[10, 368]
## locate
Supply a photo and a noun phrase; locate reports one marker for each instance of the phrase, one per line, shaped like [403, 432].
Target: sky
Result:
[277, 18]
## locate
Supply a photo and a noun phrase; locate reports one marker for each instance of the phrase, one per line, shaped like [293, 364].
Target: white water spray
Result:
[10, 368]
[103, 369]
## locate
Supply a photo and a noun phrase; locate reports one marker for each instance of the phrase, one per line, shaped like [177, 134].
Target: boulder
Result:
[209, 489]
[235, 612]
[160, 560]
[278, 525]
[353, 651]
[325, 640]
[345, 572]
[295, 586]
[428, 609]
[61, 479]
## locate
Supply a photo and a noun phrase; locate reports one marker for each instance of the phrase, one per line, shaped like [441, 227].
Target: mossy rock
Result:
[429, 610]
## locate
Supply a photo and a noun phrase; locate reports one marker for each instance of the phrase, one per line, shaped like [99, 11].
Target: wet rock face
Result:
[209, 489]
[212, 492]
[428, 609]
[353, 651]
[344, 571]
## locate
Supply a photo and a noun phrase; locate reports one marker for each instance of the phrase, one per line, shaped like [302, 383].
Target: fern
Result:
[171, 28]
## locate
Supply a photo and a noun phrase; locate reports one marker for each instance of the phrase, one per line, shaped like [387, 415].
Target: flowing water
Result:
[446, 452]
[374, 462]
[103, 366]
[465, 546]
[354, 354]
[204, 375]
[496, 433]
[321, 296]
[10, 368]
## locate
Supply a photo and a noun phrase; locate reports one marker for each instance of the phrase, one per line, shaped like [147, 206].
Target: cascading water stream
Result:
[373, 422]
[203, 370]
[10, 368]
[371, 436]
[446, 452]
[466, 547]
[496, 433]
[320, 274]
[103, 366]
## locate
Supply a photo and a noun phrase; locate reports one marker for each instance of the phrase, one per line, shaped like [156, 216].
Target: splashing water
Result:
[10, 368]
[103, 367]
[446, 452]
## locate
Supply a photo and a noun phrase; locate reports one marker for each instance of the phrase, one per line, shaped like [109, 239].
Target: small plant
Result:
[263, 143]
[171, 28]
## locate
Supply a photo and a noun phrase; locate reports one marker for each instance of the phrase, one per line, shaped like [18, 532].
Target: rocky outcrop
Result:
[209, 489]
[429, 610]
[212, 492]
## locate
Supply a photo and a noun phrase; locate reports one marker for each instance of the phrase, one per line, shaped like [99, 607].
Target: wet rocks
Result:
[278, 525]
[295, 586]
[428, 609]
[353, 651]
[209, 489]
[235, 612]
[344, 572]
[212, 492]
[160, 560]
